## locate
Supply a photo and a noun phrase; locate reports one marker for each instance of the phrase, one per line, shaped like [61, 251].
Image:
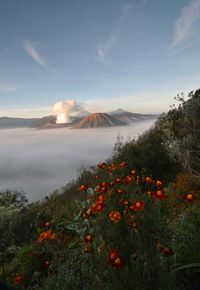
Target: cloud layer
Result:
[40, 161]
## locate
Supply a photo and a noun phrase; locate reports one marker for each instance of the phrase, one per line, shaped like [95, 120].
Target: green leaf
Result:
[194, 265]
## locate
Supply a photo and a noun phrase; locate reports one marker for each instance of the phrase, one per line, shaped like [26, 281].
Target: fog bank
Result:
[40, 161]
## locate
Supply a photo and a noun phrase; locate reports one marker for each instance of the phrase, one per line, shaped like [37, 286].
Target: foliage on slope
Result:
[131, 223]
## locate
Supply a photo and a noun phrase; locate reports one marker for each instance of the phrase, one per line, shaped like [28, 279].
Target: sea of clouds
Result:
[41, 161]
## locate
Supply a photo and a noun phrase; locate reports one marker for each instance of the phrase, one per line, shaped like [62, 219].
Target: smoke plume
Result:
[63, 110]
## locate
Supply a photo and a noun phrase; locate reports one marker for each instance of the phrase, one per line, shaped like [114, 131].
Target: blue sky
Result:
[134, 54]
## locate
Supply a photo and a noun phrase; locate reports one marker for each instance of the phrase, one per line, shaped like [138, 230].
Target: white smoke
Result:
[63, 110]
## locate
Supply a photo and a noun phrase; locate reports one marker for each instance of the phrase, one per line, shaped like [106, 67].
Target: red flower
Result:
[19, 278]
[115, 259]
[102, 165]
[133, 172]
[96, 208]
[120, 190]
[47, 235]
[137, 206]
[128, 179]
[159, 195]
[190, 197]
[101, 199]
[124, 202]
[148, 179]
[115, 216]
[89, 238]
[158, 183]
[167, 252]
[118, 180]
[47, 264]
[122, 164]
[83, 187]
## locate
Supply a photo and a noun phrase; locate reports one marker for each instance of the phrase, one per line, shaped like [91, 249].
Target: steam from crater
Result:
[63, 110]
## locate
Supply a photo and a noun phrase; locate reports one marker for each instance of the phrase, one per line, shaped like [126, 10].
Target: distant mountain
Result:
[129, 117]
[44, 121]
[84, 119]
[97, 120]
[7, 122]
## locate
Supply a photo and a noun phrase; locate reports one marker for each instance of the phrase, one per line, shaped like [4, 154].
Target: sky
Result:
[108, 54]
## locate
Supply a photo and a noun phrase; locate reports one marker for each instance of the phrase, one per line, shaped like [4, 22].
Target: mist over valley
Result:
[41, 161]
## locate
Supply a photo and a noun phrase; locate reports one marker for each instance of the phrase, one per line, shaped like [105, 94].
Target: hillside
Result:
[97, 120]
[131, 222]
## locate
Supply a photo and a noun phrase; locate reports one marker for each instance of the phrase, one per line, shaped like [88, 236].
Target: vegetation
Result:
[132, 222]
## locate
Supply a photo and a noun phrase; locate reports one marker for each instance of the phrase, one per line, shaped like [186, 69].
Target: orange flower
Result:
[115, 216]
[47, 264]
[101, 199]
[158, 183]
[47, 224]
[149, 193]
[112, 167]
[95, 208]
[118, 180]
[133, 172]
[115, 259]
[19, 278]
[123, 164]
[89, 238]
[148, 179]
[99, 207]
[189, 197]
[96, 177]
[124, 202]
[137, 206]
[159, 195]
[113, 254]
[47, 235]
[83, 187]
[128, 179]
[101, 165]
[120, 190]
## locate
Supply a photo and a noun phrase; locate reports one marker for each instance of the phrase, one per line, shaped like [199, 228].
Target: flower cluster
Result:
[47, 235]
[115, 259]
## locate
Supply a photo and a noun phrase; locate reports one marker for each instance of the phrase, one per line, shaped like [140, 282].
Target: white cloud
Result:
[105, 47]
[188, 24]
[35, 55]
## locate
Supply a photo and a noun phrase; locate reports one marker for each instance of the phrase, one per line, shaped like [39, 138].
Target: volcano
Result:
[129, 117]
[99, 120]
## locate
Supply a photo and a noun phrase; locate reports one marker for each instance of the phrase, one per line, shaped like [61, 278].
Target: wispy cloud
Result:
[7, 89]
[125, 10]
[30, 48]
[29, 112]
[105, 47]
[187, 25]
